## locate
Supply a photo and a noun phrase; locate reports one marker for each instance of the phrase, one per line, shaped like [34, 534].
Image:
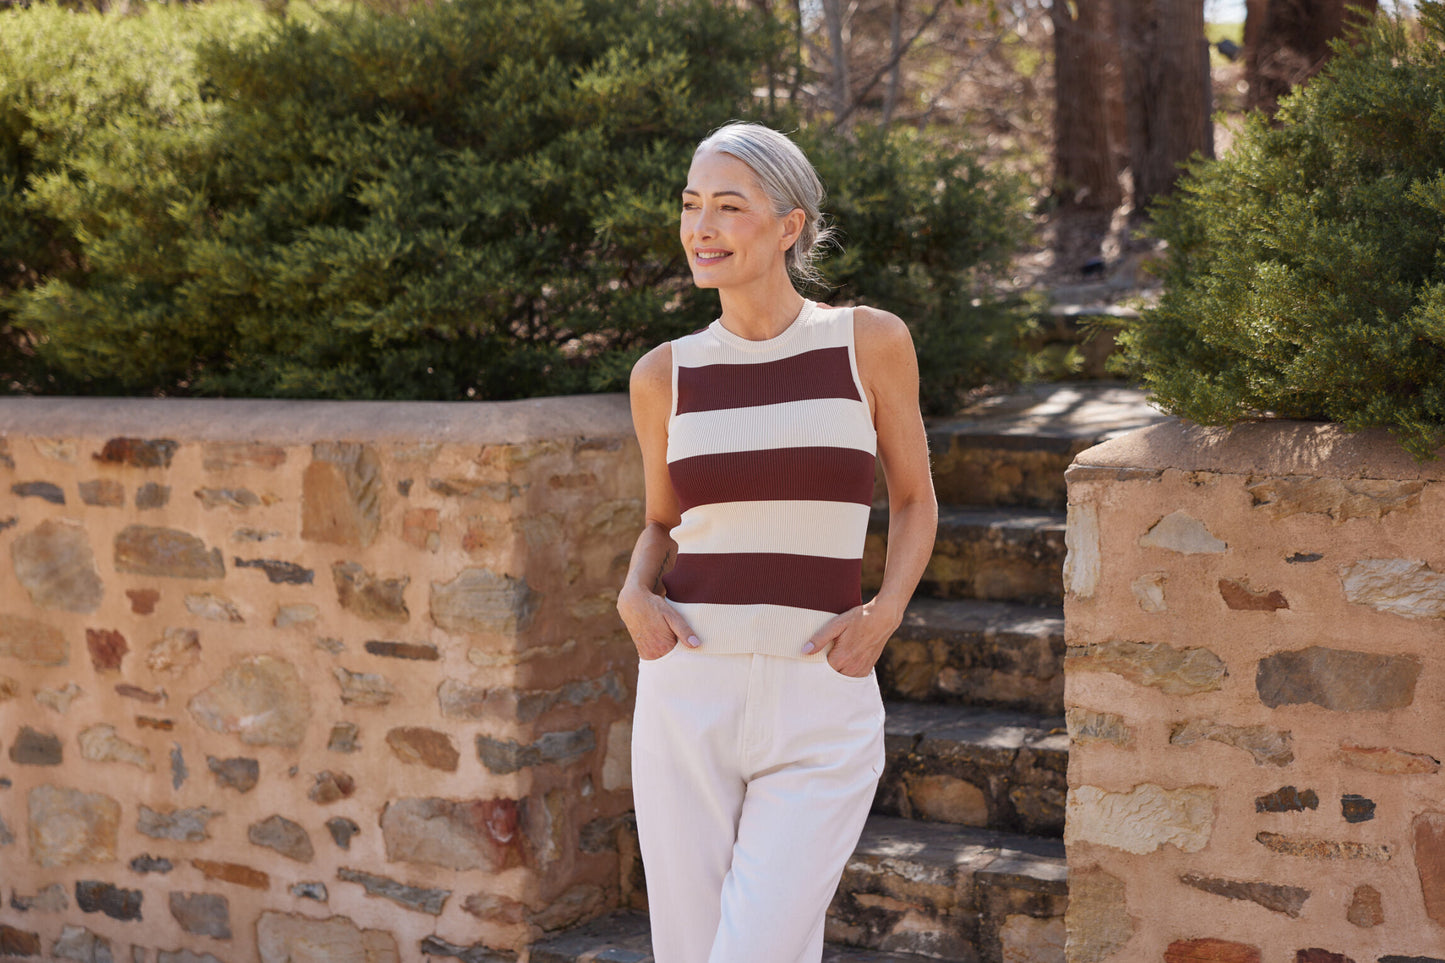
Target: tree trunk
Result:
[1162, 47]
[1292, 42]
[838, 55]
[1085, 172]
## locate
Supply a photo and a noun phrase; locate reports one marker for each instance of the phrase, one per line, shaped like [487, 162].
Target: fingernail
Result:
[808, 648]
[694, 641]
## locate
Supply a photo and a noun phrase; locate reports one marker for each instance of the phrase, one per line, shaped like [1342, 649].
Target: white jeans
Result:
[752, 777]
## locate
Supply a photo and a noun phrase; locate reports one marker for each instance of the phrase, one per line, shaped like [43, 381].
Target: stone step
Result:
[1000, 554]
[952, 892]
[1011, 450]
[1001, 654]
[987, 768]
[623, 938]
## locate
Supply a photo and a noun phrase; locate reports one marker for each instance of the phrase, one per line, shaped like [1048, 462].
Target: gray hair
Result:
[788, 180]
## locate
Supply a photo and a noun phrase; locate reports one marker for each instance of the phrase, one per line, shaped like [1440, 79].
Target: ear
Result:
[793, 223]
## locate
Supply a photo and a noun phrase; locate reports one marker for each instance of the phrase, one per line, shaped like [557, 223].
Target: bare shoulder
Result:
[652, 374]
[881, 335]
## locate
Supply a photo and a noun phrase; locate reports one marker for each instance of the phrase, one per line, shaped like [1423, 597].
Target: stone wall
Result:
[1256, 698]
[312, 680]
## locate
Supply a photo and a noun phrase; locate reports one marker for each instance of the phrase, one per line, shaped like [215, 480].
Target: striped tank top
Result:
[770, 449]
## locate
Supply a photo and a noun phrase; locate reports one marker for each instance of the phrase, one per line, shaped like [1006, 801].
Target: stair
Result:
[963, 857]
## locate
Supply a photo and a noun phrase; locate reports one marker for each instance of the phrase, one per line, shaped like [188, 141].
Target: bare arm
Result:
[654, 624]
[888, 368]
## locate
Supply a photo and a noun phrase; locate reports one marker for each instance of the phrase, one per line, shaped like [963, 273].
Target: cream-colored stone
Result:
[1164, 667]
[1267, 746]
[1400, 586]
[56, 449]
[67, 826]
[175, 652]
[947, 799]
[1098, 920]
[213, 607]
[1340, 499]
[1181, 532]
[57, 700]
[1142, 819]
[100, 743]
[617, 765]
[293, 938]
[1081, 563]
[1148, 590]
[1025, 939]
[1087, 727]
[259, 698]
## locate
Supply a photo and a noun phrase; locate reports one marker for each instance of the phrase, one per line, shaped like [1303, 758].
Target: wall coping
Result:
[1263, 448]
[303, 421]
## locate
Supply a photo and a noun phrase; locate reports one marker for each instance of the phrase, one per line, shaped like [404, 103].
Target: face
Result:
[728, 228]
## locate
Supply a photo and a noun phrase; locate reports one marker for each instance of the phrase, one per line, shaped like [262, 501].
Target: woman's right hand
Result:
[655, 626]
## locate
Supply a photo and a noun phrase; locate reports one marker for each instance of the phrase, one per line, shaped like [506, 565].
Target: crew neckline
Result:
[747, 344]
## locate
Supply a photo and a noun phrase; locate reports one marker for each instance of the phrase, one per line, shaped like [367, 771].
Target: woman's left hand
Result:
[857, 637]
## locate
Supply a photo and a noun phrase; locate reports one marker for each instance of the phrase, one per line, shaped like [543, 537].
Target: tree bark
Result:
[1165, 59]
[1085, 171]
[838, 55]
[1291, 42]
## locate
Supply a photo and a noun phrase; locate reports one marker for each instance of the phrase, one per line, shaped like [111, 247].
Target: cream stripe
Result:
[816, 422]
[766, 629]
[825, 529]
[827, 329]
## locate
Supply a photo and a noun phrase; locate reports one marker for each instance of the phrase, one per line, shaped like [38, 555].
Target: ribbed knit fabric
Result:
[770, 448]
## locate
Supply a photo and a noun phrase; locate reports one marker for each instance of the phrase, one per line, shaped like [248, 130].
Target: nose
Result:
[703, 225]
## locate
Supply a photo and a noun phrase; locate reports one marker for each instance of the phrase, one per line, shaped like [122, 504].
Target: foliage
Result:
[1306, 273]
[466, 199]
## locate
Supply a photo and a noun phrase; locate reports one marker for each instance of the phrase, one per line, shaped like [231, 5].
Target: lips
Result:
[711, 257]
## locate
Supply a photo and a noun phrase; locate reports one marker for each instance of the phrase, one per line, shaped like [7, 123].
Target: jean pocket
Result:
[661, 658]
[856, 679]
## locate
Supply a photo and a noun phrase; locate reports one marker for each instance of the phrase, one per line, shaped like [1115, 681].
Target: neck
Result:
[760, 311]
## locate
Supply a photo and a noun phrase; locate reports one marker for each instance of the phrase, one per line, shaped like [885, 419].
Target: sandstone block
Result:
[213, 607]
[343, 737]
[1173, 671]
[107, 649]
[59, 700]
[145, 864]
[415, 651]
[299, 614]
[1149, 592]
[1239, 596]
[1337, 679]
[1210, 951]
[420, 528]
[182, 825]
[17, 942]
[55, 564]
[47, 491]
[1181, 532]
[178, 956]
[1267, 746]
[259, 698]
[236, 499]
[478, 600]
[140, 695]
[294, 938]
[342, 830]
[1428, 838]
[226, 455]
[1399, 586]
[1087, 727]
[80, 944]
[1024, 939]
[102, 493]
[238, 773]
[166, 552]
[580, 902]
[363, 688]
[143, 601]
[455, 834]
[418, 745]
[416, 898]
[506, 756]
[9, 688]
[1340, 498]
[1142, 819]
[1393, 762]
[51, 899]
[617, 763]
[95, 896]
[100, 743]
[32, 642]
[150, 722]
[1356, 809]
[233, 873]
[330, 787]
[1287, 799]
[175, 652]
[1365, 909]
[1289, 900]
[370, 597]
[313, 890]
[281, 834]
[1098, 921]
[341, 495]
[138, 452]
[278, 571]
[1081, 539]
[152, 495]
[1311, 847]
[35, 748]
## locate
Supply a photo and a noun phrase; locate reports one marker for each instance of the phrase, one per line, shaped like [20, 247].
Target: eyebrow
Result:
[689, 190]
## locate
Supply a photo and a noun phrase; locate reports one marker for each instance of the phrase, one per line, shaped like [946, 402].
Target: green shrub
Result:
[1306, 270]
[470, 199]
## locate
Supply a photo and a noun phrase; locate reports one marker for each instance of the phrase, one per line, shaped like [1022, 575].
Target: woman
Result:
[758, 734]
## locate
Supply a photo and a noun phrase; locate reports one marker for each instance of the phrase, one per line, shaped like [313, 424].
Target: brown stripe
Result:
[772, 578]
[821, 373]
[774, 474]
